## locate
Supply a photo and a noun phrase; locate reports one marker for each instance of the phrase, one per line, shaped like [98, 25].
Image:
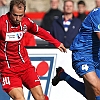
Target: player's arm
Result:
[43, 34]
[98, 34]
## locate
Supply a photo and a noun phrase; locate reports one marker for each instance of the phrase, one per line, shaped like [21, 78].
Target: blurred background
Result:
[37, 8]
[44, 5]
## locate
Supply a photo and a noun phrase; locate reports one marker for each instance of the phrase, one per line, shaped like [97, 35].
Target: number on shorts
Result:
[5, 81]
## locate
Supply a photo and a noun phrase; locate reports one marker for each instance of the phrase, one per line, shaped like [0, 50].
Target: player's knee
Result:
[40, 97]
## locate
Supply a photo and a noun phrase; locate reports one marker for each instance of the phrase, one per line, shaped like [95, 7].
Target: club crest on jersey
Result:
[25, 28]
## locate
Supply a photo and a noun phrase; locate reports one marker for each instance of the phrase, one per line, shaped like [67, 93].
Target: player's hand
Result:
[62, 48]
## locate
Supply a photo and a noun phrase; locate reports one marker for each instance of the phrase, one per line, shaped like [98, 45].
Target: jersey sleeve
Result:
[95, 18]
[32, 27]
[43, 34]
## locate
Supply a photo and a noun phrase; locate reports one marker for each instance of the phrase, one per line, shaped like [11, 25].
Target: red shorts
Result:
[13, 79]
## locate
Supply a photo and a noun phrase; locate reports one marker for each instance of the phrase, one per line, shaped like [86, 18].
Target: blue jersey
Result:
[87, 39]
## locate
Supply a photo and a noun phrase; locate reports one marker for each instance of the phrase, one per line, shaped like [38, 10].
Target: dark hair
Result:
[81, 2]
[19, 4]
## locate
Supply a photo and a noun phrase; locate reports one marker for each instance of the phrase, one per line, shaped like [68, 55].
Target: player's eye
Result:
[15, 15]
[18, 15]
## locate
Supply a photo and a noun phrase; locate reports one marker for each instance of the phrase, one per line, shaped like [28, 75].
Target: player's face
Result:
[68, 7]
[17, 14]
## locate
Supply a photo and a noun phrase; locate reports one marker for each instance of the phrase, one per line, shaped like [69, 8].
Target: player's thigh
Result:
[17, 93]
[92, 85]
[10, 81]
[30, 78]
[91, 78]
[32, 82]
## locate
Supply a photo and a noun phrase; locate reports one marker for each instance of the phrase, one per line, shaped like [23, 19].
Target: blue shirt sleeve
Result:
[95, 19]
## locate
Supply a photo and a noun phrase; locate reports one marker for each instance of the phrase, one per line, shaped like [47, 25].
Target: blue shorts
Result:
[83, 63]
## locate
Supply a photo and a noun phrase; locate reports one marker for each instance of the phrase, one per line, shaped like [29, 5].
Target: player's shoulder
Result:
[3, 17]
[27, 19]
[95, 11]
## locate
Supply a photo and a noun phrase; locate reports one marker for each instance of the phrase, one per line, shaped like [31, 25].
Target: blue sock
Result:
[77, 85]
[97, 97]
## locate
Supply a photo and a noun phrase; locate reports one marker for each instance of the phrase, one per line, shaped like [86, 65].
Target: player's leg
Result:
[93, 82]
[62, 75]
[17, 94]
[85, 66]
[37, 93]
[32, 82]
[12, 85]
[89, 91]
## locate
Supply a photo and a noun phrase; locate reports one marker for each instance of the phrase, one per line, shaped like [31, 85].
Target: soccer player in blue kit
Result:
[86, 57]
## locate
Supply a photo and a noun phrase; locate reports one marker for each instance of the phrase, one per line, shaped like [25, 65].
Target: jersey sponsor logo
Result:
[85, 67]
[14, 36]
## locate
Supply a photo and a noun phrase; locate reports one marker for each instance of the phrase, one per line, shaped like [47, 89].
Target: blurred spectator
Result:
[66, 27]
[97, 2]
[28, 40]
[3, 7]
[52, 14]
[81, 10]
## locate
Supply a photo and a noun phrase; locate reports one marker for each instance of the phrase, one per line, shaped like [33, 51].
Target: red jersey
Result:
[12, 52]
[29, 39]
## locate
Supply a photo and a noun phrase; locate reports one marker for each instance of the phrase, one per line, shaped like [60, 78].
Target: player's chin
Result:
[17, 23]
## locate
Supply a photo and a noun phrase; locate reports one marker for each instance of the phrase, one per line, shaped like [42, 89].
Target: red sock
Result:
[46, 97]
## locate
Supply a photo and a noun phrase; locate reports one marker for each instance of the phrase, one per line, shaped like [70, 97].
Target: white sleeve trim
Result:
[96, 31]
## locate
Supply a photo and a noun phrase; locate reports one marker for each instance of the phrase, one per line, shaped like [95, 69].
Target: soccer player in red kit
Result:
[15, 65]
